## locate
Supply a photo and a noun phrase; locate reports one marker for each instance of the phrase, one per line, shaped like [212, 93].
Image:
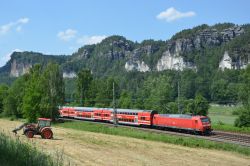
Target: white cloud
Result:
[23, 20]
[67, 35]
[7, 57]
[90, 39]
[171, 14]
[4, 29]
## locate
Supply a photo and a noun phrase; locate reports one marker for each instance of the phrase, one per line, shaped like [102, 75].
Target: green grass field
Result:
[222, 114]
[134, 133]
[223, 119]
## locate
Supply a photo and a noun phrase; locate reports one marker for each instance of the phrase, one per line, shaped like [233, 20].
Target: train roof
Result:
[132, 110]
[185, 116]
[90, 109]
[86, 109]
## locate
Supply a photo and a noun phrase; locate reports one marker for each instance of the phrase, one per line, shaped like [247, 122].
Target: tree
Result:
[244, 118]
[104, 96]
[3, 93]
[84, 79]
[172, 107]
[125, 100]
[44, 92]
[244, 113]
[53, 91]
[156, 93]
[200, 106]
[33, 95]
[14, 100]
[10, 106]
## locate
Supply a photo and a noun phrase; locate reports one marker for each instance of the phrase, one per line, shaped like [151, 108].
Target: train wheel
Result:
[29, 134]
[47, 134]
[196, 132]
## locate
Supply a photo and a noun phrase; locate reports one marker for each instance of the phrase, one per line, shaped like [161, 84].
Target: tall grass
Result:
[223, 118]
[222, 114]
[231, 128]
[135, 133]
[15, 153]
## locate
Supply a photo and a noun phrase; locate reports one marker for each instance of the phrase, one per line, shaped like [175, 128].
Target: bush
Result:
[235, 112]
[244, 118]
[220, 122]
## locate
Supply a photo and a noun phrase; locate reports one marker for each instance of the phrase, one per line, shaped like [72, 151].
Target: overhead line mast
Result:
[114, 107]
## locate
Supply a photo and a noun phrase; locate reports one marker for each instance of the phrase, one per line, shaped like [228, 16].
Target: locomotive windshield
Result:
[205, 120]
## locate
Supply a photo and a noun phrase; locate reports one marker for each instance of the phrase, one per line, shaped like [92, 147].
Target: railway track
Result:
[235, 138]
[216, 136]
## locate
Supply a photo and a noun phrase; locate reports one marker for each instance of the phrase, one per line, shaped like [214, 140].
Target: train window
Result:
[143, 118]
[205, 120]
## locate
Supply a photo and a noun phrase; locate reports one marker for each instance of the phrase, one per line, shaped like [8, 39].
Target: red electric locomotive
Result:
[200, 124]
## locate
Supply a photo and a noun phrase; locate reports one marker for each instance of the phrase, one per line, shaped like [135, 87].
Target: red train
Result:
[199, 124]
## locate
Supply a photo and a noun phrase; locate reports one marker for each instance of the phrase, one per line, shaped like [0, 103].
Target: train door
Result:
[152, 116]
[195, 124]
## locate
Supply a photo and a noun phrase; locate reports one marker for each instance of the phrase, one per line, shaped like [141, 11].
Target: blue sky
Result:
[62, 26]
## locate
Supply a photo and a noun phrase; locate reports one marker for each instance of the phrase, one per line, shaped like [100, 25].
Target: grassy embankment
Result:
[14, 152]
[134, 133]
[222, 118]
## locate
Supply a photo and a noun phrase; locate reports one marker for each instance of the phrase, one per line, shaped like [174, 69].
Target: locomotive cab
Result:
[205, 125]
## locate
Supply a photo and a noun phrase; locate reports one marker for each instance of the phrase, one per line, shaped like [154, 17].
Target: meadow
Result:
[135, 133]
[223, 117]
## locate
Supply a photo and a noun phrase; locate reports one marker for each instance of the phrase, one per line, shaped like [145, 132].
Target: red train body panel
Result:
[199, 124]
[185, 122]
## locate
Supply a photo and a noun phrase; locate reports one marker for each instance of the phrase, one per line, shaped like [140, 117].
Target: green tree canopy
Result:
[53, 91]
[244, 113]
[3, 94]
[84, 79]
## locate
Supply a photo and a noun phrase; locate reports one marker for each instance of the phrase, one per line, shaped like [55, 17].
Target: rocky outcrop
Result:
[18, 69]
[226, 62]
[207, 37]
[240, 62]
[136, 65]
[230, 33]
[69, 74]
[173, 62]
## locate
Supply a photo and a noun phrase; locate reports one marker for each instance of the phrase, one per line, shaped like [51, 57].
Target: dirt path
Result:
[86, 148]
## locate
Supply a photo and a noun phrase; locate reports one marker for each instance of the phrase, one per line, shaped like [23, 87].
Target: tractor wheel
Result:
[47, 134]
[29, 134]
